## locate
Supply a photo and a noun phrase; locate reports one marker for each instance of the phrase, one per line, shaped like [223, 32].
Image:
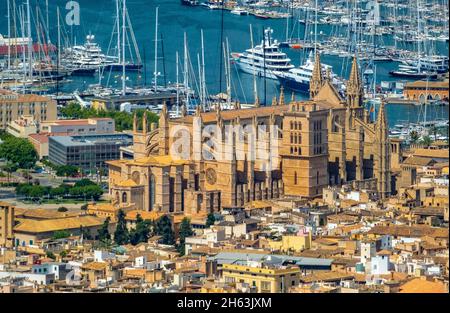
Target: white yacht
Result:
[298, 78]
[87, 57]
[265, 59]
[239, 11]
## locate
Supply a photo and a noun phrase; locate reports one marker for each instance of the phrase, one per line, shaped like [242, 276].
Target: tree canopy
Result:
[121, 235]
[164, 229]
[210, 220]
[123, 120]
[185, 231]
[142, 231]
[18, 151]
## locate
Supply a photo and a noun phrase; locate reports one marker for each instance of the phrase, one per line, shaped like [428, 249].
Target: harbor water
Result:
[98, 18]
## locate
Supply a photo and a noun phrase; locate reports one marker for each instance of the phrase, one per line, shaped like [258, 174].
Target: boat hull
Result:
[412, 75]
[294, 85]
[254, 70]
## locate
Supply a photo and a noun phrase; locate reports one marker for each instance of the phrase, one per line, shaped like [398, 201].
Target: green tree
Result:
[19, 151]
[121, 235]
[414, 136]
[9, 168]
[426, 141]
[185, 231]
[142, 231]
[123, 120]
[164, 229]
[210, 220]
[66, 170]
[59, 234]
[84, 182]
[92, 192]
[103, 232]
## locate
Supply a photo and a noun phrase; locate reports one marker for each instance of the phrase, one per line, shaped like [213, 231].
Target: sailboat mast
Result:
[418, 37]
[186, 77]
[119, 56]
[46, 16]
[9, 35]
[58, 61]
[156, 52]
[202, 78]
[30, 45]
[255, 89]
[123, 47]
[315, 28]
[228, 67]
[264, 65]
[178, 81]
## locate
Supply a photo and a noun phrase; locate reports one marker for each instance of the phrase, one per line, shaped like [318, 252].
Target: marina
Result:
[220, 56]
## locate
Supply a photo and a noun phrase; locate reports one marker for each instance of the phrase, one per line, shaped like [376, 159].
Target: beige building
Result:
[22, 127]
[263, 279]
[325, 141]
[13, 106]
[80, 127]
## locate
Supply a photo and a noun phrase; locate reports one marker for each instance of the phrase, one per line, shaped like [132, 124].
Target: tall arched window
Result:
[152, 191]
[295, 178]
[124, 197]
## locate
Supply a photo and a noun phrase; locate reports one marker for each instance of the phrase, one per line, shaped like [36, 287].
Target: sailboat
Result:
[123, 22]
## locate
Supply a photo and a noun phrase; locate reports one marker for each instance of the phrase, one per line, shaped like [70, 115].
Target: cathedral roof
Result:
[328, 93]
[127, 183]
[245, 113]
[161, 160]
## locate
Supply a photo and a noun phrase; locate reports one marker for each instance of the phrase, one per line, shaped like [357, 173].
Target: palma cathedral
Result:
[327, 140]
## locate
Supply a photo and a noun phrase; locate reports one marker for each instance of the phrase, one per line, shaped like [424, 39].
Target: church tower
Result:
[382, 146]
[355, 92]
[316, 80]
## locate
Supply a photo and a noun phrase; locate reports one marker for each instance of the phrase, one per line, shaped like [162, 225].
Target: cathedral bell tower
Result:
[382, 146]
[316, 81]
[355, 92]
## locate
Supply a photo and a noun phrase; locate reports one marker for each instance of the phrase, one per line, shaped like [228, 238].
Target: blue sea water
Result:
[97, 17]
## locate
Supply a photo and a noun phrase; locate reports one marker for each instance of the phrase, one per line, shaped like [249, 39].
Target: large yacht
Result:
[298, 78]
[87, 58]
[264, 61]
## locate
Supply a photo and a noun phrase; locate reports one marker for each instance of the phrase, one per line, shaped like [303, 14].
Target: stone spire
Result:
[293, 97]
[281, 100]
[383, 164]
[183, 110]
[144, 122]
[316, 80]
[328, 75]
[257, 104]
[164, 131]
[355, 91]
[381, 124]
[135, 123]
[274, 101]
[198, 110]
